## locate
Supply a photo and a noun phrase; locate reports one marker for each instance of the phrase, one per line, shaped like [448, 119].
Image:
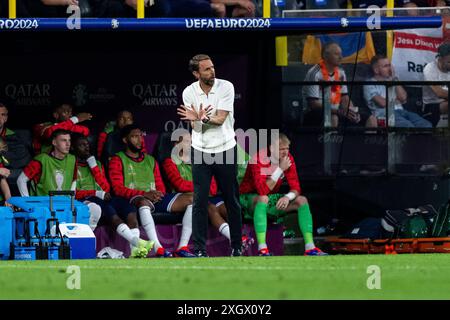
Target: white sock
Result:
[95, 212]
[137, 234]
[309, 246]
[224, 229]
[124, 231]
[262, 246]
[149, 225]
[186, 230]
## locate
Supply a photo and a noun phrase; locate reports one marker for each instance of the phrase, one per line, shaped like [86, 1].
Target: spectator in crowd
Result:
[195, 9]
[52, 8]
[135, 176]
[435, 97]
[342, 109]
[236, 8]
[412, 8]
[260, 195]
[92, 186]
[128, 8]
[62, 115]
[4, 173]
[54, 171]
[178, 170]
[375, 96]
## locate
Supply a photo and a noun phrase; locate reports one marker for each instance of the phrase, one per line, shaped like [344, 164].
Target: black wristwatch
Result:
[206, 120]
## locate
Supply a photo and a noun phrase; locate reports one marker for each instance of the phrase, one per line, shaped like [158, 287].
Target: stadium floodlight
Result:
[298, 25]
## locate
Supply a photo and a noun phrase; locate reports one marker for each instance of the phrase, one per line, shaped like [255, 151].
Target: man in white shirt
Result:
[208, 104]
[435, 97]
[375, 96]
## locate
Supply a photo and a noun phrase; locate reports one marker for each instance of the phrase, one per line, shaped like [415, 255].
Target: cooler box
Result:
[81, 240]
[6, 232]
[39, 208]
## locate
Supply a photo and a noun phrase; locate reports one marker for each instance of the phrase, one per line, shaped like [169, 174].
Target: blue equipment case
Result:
[6, 231]
[40, 209]
[43, 208]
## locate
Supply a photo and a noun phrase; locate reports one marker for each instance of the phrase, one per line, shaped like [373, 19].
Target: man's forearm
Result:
[402, 96]
[441, 93]
[346, 102]
[216, 120]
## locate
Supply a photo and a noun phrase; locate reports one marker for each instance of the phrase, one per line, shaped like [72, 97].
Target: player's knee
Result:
[212, 210]
[142, 202]
[95, 211]
[189, 199]
[263, 199]
[301, 200]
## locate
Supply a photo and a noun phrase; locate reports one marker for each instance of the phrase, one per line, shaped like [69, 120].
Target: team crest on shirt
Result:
[59, 179]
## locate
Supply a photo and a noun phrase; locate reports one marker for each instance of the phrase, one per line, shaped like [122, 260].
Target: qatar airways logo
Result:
[156, 94]
[29, 94]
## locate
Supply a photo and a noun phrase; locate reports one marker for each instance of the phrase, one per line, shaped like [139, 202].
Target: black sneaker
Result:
[201, 254]
[236, 252]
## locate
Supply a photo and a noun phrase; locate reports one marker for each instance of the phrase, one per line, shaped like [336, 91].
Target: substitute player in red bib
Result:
[64, 120]
[260, 196]
[135, 176]
[54, 171]
[92, 186]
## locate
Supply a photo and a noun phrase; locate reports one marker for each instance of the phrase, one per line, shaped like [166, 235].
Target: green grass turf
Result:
[408, 276]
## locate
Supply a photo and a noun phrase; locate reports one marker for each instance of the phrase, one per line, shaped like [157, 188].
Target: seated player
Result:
[135, 176]
[92, 186]
[64, 120]
[179, 173]
[260, 197]
[54, 171]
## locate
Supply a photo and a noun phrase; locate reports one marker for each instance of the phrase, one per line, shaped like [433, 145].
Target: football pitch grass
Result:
[406, 276]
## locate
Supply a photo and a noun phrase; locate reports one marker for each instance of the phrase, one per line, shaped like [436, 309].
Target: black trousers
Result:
[223, 166]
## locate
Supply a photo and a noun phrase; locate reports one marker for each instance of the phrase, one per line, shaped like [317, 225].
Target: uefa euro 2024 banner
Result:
[413, 49]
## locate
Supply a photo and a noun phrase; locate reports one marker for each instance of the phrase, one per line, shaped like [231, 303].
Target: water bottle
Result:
[381, 121]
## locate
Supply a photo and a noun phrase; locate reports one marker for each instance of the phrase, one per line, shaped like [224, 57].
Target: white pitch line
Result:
[242, 268]
[128, 267]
